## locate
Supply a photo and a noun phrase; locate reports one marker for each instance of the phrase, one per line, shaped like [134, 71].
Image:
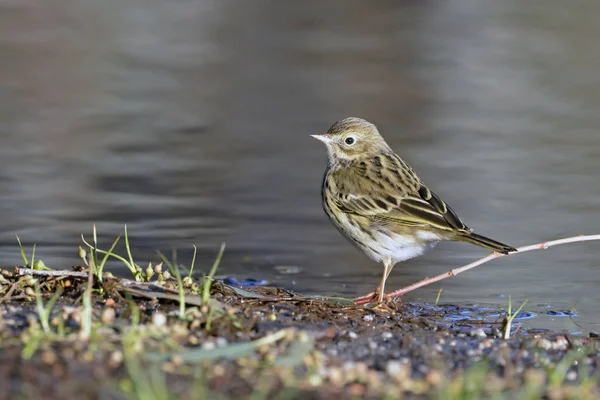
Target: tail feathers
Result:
[486, 243]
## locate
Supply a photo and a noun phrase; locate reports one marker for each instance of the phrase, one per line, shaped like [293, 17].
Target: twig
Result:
[8, 295]
[427, 281]
[58, 272]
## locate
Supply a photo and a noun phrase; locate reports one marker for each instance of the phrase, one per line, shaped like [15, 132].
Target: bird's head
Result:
[352, 138]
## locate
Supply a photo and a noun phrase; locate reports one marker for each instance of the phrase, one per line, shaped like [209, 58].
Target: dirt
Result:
[140, 347]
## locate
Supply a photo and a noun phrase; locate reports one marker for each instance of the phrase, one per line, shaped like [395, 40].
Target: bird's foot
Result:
[374, 297]
[366, 299]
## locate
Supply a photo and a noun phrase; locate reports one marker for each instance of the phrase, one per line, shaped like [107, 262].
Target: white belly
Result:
[397, 248]
[389, 246]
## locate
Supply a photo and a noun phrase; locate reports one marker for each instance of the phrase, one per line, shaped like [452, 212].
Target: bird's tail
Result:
[486, 243]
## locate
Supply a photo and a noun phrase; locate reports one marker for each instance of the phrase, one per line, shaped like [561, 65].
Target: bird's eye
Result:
[349, 140]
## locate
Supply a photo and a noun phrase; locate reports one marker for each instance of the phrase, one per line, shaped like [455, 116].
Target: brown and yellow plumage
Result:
[378, 202]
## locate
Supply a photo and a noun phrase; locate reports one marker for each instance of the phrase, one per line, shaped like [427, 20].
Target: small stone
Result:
[368, 318]
[480, 333]
[221, 342]
[218, 370]
[335, 376]
[159, 319]
[544, 344]
[434, 378]
[116, 359]
[472, 353]
[108, 315]
[571, 376]
[397, 370]
[209, 345]
[315, 380]
[356, 390]
[48, 357]
[387, 335]
[177, 360]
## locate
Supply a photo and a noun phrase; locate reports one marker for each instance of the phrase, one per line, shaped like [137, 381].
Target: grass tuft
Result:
[508, 319]
[45, 310]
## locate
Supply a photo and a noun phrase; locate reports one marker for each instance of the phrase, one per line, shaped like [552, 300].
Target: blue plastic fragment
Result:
[233, 281]
[525, 315]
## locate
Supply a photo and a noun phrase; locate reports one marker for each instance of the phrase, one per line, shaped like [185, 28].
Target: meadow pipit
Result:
[378, 202]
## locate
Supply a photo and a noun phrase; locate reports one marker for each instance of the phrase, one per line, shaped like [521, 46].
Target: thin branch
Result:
[427, 281]
[57, 272]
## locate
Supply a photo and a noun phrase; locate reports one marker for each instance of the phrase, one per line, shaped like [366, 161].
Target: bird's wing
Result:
[425, 208]
[393, 197]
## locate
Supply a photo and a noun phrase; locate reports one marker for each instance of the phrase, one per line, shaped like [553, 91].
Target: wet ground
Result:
[190, 123]
[265, 342]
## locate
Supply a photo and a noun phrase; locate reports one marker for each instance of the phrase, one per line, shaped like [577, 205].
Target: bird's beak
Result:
[322, 138]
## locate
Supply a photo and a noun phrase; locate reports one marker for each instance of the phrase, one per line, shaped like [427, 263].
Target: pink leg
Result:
[380, 291]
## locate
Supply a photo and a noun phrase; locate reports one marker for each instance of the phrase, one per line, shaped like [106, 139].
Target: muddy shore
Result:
[136, 341]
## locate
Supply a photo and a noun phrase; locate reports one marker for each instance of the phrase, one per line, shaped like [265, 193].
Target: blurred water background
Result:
[189, 121]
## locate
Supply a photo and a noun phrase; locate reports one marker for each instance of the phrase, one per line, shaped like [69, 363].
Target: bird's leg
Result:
[380, 291]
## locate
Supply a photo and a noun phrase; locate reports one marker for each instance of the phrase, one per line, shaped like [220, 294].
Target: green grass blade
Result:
[33, 256]
[437, 299]
[135, 273]
[105, 258]
[94, 251]
[209, 278]
[22, 250]
[231, 352]
[181, 293]
[193, 262]
[129, 266]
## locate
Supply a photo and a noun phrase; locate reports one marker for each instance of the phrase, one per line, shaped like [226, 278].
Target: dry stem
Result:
[539, 246]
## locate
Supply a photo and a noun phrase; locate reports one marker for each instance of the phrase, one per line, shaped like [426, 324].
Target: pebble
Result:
[209, 345]
[397, 370]
[480, 333]
[116, 358]
[368, 318]
[159, 319]
[48, 357]
[335, 376]
[108, 315]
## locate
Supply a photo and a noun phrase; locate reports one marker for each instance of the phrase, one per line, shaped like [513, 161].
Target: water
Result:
[189, 121]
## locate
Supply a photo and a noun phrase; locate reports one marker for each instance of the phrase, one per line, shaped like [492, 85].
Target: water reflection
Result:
[190, 122]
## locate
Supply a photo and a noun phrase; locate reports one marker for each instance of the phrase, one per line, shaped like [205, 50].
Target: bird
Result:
[377, 201]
